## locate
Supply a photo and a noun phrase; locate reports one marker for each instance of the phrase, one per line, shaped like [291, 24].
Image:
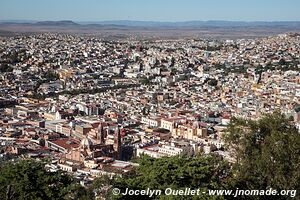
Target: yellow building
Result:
[49, 116]
[189, 132]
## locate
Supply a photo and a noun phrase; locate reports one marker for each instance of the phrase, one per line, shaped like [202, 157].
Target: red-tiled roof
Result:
[66, 143]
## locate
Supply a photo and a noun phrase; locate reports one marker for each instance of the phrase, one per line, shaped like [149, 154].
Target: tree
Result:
[282, 62]
[101, 186]
[51, 76]
[5, 68]
[213, 82]
[267, 153]
[174, 70]
[144, 80]
[203, 172]
[28, 179]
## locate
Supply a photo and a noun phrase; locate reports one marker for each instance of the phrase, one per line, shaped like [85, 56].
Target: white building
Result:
[151, 122]
[164, 151]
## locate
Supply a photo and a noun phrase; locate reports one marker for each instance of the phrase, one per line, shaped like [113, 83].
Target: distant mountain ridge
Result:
[126, 29]
[210, 23]
[57, 23]
[129, 23]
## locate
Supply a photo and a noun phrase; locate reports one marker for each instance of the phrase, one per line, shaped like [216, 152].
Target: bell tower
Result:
[101, 134]
[117, 143]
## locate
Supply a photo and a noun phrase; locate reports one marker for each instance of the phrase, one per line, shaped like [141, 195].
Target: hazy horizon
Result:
[124, 20]
[155, 10]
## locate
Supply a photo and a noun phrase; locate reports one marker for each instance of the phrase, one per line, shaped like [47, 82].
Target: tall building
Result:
[117, 143]
[101, 134]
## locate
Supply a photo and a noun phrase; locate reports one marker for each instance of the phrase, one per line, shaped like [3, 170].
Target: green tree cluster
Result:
[5, 68]
[179, 172]
[28, 179]
[51, 76]
[267, 153]
[144, 80]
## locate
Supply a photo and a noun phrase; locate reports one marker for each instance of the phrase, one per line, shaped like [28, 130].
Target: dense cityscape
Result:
[92, 107]
[150, 100]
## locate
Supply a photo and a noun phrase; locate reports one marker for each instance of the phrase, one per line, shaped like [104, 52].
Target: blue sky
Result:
[150, 10]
